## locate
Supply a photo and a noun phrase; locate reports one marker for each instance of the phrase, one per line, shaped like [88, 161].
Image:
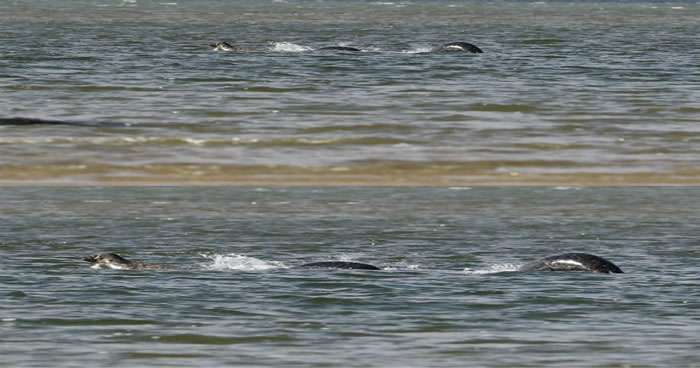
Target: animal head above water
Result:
[108, 260]
[225, 46]
[117, 262]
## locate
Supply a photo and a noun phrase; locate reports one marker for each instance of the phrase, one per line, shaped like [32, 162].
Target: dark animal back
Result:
[458, 46]
[339, 48]
[340, 265]
[573, 262]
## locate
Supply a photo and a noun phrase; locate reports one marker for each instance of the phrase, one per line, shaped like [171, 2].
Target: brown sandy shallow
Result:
[438, 175]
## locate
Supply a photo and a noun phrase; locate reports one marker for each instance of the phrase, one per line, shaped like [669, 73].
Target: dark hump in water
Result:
[32, 121]
[572, 262]
[340, 265]
[458, 47]
[339, 48]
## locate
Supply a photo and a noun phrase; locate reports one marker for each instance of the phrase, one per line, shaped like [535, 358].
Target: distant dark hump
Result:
[573, 262]
[340, 265]
[339, 48]
[458, 47]
[32, 121]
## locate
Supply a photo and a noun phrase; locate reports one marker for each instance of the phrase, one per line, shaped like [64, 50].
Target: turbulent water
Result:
[448, 293]
[565, 92]
[103, 92]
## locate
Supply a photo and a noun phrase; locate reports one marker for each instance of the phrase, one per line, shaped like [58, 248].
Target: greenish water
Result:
[565, 92]
[448, 294]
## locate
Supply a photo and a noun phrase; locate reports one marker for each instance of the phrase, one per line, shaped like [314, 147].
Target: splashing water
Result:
[289, 47]
[494, 268]
[239, 262]
[417, 50]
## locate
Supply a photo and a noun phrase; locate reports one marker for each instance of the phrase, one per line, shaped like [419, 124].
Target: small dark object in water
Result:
[32, 121]
[340, 265]
[339, 48]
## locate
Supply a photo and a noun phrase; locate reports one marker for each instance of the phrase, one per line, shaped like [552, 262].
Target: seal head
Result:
[340, 265]
[572, 262]
[457, 47]
[225, 46]
[117, 262]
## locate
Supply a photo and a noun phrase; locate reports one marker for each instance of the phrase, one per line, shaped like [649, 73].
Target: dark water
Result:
[447, 295]
[565, 92]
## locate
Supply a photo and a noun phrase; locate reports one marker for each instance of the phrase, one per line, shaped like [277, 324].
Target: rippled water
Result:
[585, 92]
[447, 294]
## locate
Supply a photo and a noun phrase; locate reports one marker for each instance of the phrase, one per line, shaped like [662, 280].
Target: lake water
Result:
[448, 293]
[565, 92]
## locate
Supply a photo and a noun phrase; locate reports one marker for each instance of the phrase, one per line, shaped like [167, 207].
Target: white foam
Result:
[417, 50]
[351, 256]
[495, 268]
[239, 262]
[402, 267]
[459, 188]
[289, 47]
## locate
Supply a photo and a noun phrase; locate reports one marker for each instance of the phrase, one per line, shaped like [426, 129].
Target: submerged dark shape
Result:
[340, 265]
[458, 47]
[33, 121]
[225, 46]
[572, 262]
[115, 261]
[339, 48]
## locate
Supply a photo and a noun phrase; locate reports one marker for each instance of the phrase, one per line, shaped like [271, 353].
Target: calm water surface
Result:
[448, 294]
[565, 92]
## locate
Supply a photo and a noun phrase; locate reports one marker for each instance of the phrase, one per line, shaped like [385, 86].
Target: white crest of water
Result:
[494, 268]
[348, 257]
[289, 47]
[460, 188]
[567, 188]
[417, 50]
[239, 262]
[403, 266]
